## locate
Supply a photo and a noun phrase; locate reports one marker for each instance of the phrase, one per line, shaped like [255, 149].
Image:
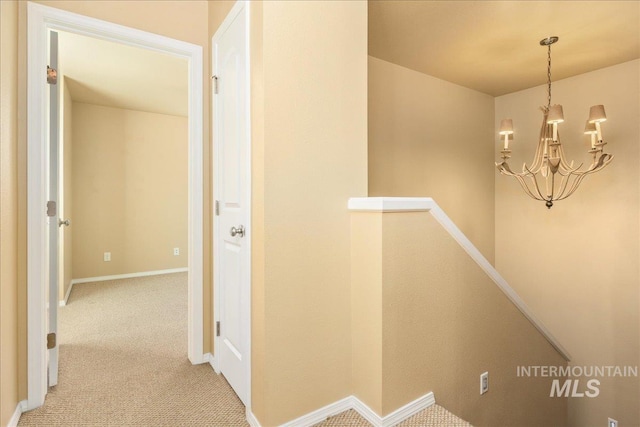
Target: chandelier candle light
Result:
[550, 169]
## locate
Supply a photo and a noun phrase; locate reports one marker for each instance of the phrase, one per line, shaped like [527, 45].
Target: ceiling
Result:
[493, 46]
[115, 75]
[489, 46]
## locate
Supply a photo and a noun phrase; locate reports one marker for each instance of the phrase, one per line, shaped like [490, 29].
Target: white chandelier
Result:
[550, 177]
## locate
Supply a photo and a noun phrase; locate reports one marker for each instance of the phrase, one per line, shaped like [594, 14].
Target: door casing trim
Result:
[41, 19]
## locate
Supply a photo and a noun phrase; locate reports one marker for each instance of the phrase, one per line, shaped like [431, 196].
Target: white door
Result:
[232, 195]
[52, 290]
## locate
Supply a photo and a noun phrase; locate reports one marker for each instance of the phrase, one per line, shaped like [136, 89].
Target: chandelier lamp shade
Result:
[550, 176]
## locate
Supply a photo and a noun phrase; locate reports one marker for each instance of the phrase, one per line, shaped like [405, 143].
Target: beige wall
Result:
[366, 309]
[309, 157]
[8, 210]
[576, 265]
[218, 10]
[431, 138]
[440, 322]
[65, 199]
[129, 188]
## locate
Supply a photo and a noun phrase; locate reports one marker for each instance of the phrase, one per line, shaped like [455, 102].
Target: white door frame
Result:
[240, 9]
[41, 19]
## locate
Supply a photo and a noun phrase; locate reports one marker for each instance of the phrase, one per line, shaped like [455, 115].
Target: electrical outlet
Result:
[107, 256]
[612, 423]
[484, 383]
[176, 251]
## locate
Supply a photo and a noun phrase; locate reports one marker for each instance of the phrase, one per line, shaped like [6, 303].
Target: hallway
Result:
[123, 361]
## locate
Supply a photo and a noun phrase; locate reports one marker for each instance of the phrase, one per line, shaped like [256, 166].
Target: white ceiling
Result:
[115, 75]
[493, 46]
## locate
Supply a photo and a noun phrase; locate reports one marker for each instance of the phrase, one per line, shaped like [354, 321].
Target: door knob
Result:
[237, 231]
[66, 222]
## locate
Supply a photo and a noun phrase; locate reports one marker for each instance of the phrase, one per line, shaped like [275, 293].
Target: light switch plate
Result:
[484, 382]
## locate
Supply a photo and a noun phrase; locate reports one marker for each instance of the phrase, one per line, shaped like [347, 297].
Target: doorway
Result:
[41, 20]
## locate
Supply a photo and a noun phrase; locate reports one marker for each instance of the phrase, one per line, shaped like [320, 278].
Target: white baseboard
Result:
[13, 421]
[65, 301]
[129, 275]
[322, 414]
[359, 406]
[367, 413]
[251, 419]
[408, 410]
[213, 362]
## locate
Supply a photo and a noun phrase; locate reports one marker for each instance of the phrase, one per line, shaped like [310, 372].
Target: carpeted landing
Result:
[434, 416]
[123, 362]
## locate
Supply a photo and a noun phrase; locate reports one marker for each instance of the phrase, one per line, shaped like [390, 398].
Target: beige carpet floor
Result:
[434, 416]
[123, 361]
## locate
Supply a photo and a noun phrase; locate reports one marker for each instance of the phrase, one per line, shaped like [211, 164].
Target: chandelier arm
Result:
[526, 188]
[579, 176]
[563, 162]
[538, 159]
[569, 171]
[603, 161]
[563, 185]
[576, 183]
[535, 182]
[526, 171]
[505, 170]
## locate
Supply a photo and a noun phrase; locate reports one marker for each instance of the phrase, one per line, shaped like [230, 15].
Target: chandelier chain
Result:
[549, 76]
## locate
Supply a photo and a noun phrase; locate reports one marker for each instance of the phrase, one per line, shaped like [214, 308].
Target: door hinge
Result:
[215, 84]
[51, 340]
[52, 75]
[51, 208]
[217, 208]
[218, 328]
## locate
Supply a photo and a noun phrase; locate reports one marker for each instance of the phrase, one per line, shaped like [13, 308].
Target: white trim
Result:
[413, 204]
[251, 419]
[241, 7]
[408, 410]
[40, 19]
[129, 275]
[65, 301]
[397, 416]
[15, 418]
[365, 412]
[391, 204]
[323, 413]
[211, 359]
[352, 402]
